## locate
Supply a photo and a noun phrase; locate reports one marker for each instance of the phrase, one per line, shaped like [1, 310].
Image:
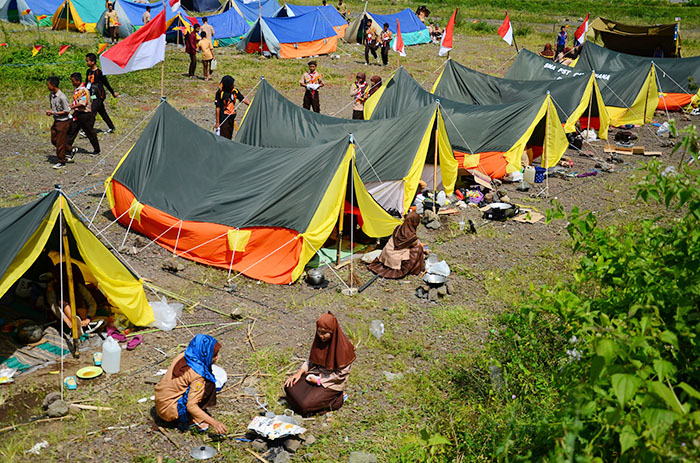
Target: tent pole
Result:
[71, 290]
[352, 225]
[162, 66]
[340, 222]
[435, 159]
[590, 103]
[646, 100]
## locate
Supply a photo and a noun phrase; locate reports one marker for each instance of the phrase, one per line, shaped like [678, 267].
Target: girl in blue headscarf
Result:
[189, 387]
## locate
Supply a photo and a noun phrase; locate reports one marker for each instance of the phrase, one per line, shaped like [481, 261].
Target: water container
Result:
[529, 174]
[111, 355]
[377, 329]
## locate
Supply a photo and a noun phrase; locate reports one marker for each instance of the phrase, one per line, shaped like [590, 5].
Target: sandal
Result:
[113, 332]
[133, 342]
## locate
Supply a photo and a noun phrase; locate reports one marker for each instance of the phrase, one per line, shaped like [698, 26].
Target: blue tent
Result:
[41, 11]
[252, 9]
[329, 12]
[413, 31]
[229, 27]
[131, 17]
[293, 37]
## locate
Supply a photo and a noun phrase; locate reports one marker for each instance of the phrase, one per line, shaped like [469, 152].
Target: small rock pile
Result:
[433, 294]
[281, 450]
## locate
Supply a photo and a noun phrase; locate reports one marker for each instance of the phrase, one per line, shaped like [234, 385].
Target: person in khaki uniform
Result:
[207, 49]
[112, 22]
[189, 386]
[206, 27]
[60, 111]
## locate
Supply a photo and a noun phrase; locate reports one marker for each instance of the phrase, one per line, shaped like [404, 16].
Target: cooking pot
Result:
[501, 211]
[315, 277]
[434, 279]
[29, 333]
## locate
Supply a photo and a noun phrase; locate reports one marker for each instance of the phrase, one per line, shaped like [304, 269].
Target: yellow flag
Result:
[36, 49]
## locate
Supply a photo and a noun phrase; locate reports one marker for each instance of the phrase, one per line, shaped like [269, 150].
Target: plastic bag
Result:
[274, 428]
[165, 315]
[214, 64]
[438, 268]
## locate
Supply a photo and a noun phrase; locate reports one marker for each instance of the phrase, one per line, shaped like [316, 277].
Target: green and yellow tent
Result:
[263, 212]
[637, 40]
[577, 99]
[677, 79]
[630, 96]
[393, 154]
[80, 15]
[489, 138]
[30, 229]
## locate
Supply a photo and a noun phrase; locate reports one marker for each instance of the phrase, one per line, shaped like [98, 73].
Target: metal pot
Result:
[501, 211]
[315, 277]
[29, 333]
[434, 279]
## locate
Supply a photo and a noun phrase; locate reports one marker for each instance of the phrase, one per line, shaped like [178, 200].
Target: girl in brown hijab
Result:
[375, 83]
[319, 384]
[403, 254]
[548, 52]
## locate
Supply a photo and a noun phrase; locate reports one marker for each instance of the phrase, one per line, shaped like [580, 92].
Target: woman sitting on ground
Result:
[189, 387]
[548, 52]
[319, 384]
[403, 254]
[84, 300]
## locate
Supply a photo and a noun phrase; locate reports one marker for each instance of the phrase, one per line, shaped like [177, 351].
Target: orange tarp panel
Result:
[674, 101]
[270, 255]
[304, 49]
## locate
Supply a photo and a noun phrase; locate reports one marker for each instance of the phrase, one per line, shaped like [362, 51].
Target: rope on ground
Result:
[329, 263]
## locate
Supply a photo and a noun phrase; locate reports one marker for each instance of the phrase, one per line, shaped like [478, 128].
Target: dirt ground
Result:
[492, 271]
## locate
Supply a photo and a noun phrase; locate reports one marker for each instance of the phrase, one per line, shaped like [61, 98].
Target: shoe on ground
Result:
[74, 150]
[59, 165]
[82, 134]
[70, 158]
[95, 153]
[93, 326]
[109, 130]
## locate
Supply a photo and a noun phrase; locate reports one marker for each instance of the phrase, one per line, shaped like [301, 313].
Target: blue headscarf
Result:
[198, 355]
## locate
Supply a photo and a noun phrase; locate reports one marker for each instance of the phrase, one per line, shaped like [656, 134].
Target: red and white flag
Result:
[506, 30]
[63, 49]
[398, 42]
[174, 5]
[446, 42]
[580, 34]
[141, 50]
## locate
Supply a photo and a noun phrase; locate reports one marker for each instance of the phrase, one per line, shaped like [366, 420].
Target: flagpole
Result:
[515, 42]
[162, 65]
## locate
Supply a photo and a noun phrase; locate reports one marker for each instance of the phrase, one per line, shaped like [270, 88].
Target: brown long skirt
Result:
[305, 398]
[414, 265]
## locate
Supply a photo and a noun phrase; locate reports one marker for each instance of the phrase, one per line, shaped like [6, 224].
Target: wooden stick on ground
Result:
[256, 455]
[162, 431]
[43, 420]
[91, 407]
[250, 330]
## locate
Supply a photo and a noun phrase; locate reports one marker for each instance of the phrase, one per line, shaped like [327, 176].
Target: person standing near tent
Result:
[370, 40]
[386, 43]
[359, 95]
[561, 41]
[225, 102]
[191, 42]
[97, 82]
[83, 118]
[189, 387]
[112, 22]
[60, 111]
[319, 384]
[343, 9]
[206, 27]
[312, 81]
[146, 18]
[207, 49]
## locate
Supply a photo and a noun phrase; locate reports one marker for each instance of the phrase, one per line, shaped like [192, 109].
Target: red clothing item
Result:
[191, 43]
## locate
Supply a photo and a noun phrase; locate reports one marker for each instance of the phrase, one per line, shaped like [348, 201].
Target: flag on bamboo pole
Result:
[398, 42]
[446, 42]
[41, 17]
[141, 50]
[63, 49]
[4, 44]
[101, 48]
[26, 12]
[580, 34]
[506, 30]
[175, 5]
[36, 49]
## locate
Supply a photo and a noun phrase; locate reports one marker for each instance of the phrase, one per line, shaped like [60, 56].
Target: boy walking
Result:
[206, 27]
[386, 43]
[83, 119]
[311, 81]
[96, 82]
[112, 22]
[370, 41]
[60, 110]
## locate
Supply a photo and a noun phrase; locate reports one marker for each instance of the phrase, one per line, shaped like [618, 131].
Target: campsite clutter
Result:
[475, 151]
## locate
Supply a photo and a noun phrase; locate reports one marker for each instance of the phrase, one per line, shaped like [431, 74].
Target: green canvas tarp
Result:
[677, 78]
[31, 229]
[260, 211]
[630, 97]
[391, 154]
[572, 97]
[637, 40]
[491, 138]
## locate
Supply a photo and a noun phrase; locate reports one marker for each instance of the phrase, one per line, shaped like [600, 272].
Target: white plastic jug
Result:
[529, 175]
[111, 355]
